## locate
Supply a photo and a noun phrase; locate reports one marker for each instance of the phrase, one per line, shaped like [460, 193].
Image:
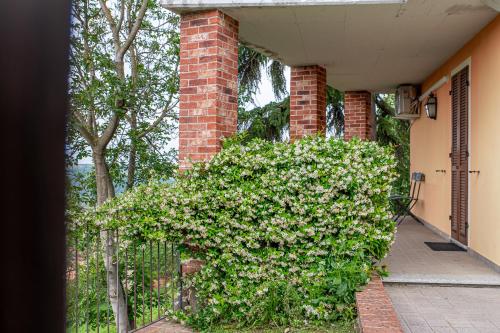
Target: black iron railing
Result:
[120, 285]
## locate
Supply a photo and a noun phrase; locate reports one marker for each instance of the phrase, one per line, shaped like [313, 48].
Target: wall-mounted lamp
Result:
[431, 106]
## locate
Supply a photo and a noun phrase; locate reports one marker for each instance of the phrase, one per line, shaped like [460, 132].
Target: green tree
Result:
[395, 133]
[271, 121]
[123, 97]
[335, 112]
[251, 65]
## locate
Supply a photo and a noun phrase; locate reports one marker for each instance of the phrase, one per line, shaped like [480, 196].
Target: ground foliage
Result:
[288, 231]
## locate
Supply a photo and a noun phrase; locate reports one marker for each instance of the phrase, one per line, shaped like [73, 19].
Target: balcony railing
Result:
[119, 285]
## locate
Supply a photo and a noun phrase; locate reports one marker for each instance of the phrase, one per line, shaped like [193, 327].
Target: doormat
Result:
[438, 246]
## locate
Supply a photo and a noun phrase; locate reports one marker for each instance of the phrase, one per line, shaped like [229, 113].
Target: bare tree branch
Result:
[108, 133]
[84, 131]
[122, 15]
[152, 145]
[163, 114]
[112, 24]
[134, 30]
[160, 118]
[86, 47]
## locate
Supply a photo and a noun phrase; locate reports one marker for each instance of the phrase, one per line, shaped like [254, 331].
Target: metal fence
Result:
[109, 279]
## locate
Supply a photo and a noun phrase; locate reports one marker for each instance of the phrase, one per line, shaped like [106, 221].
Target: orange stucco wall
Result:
[431, 144]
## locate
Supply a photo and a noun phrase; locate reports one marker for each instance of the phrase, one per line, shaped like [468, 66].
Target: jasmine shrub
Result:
[288, 232]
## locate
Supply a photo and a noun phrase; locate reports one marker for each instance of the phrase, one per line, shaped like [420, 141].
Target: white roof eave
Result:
[180, 6]
[372, 45]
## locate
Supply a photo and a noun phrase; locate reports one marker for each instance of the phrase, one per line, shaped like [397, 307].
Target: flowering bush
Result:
[287, 231]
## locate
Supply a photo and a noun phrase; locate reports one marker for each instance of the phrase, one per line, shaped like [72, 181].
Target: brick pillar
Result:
[307, 101]
[359, 119]
[208, 105]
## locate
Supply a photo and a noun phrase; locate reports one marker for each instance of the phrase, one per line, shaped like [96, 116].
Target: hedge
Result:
[288, 232]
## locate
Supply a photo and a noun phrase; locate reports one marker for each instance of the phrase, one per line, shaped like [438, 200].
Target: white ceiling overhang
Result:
[369, 45]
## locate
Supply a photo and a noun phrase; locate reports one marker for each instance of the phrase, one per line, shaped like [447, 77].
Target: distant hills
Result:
[85, 169]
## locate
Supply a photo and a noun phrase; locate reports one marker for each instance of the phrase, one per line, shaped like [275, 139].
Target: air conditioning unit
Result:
[407, 104]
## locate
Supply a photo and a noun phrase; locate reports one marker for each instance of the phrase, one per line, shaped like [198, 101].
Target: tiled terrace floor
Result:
[470, 301]
[423, 308]
[411, 261]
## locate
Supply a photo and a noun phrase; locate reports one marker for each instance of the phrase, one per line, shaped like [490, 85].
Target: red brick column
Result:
[307, 101]
[208, 105]
[359, 119]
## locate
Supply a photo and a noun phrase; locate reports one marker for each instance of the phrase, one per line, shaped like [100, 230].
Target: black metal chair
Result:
[404, 203]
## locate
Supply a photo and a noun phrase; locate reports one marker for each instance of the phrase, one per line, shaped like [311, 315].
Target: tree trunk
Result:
[115, 288]
[132, 158]
[104, 185]
[105, 190]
